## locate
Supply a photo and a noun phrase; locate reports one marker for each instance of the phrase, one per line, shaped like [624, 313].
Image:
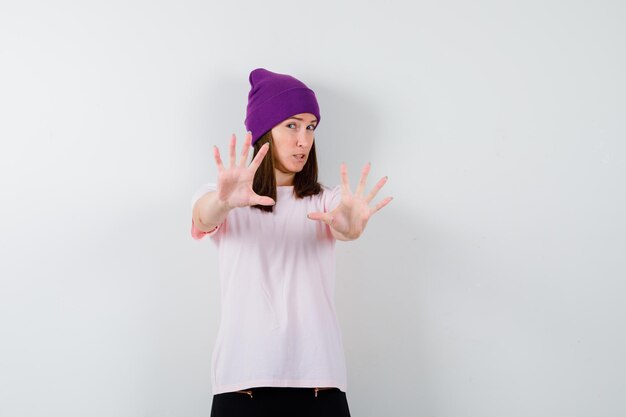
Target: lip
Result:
[299, 157]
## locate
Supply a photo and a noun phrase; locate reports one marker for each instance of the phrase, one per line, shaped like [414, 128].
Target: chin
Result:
[293, 169]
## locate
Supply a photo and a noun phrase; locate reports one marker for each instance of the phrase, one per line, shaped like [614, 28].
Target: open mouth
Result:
[300, 157]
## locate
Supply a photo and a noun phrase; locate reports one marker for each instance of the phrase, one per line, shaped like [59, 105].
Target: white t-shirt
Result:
[278, 323]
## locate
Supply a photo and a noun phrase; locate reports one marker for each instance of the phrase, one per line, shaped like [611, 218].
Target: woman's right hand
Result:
[234, 184]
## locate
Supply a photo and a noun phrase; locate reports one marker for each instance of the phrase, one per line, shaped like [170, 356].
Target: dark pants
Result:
[278, 402]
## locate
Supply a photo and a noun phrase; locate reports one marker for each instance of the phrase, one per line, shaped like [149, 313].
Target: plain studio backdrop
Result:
[493, 284]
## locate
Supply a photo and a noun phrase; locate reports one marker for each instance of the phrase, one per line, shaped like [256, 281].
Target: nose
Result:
[304, 139]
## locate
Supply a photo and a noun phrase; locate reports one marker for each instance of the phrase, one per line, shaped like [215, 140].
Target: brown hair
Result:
[304, 183]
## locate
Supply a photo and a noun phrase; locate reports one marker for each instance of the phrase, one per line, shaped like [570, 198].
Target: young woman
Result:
[279, 349]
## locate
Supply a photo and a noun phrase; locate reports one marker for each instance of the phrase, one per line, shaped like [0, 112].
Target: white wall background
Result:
[492, 285]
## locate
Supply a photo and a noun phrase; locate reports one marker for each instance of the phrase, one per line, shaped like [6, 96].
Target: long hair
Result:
[304, 183]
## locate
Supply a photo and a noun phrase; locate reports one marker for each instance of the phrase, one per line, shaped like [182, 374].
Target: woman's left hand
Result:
[349, 219]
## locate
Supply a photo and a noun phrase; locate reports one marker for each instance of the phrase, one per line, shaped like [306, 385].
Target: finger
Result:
[233, 145]
[245, 150]
[376, 189]
[325, 217]
[218, 159]
[345, 181]
[380, 205]
[256, 162]
[262, 200]
[361, 187]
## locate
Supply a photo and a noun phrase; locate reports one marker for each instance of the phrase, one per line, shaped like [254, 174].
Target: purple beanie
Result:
[275, 97]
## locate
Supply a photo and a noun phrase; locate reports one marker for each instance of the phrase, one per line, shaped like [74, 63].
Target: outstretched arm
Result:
[348, 220]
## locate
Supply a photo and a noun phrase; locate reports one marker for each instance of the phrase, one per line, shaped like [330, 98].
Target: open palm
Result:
[234, 184]
[348, 220]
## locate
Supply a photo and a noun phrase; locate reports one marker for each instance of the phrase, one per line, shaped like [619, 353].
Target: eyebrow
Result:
[298, 118]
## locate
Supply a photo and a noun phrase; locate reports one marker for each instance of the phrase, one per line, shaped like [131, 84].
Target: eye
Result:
[291, 125]
[311, 127]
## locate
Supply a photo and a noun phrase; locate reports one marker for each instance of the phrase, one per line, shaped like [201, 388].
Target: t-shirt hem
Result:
[282, 383]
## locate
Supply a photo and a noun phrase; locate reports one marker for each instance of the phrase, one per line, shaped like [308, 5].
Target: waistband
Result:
[295, 391]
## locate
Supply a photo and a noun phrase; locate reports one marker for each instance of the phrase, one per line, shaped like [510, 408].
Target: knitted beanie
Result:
[275, 97]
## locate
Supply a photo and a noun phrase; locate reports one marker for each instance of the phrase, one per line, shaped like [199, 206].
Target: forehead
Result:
[304, 117]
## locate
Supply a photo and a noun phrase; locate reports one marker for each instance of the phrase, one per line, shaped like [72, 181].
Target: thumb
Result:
[325, 217]
[264, 201]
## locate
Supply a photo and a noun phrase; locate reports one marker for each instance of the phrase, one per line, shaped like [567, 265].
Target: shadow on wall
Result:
[383, 284]
[221, 112]
[384, 279]
[348, 133]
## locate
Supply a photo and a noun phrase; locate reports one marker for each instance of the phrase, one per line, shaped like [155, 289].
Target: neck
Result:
[283, 178]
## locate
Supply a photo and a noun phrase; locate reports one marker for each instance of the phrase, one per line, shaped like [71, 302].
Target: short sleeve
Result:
[195, 232]
[333, 199]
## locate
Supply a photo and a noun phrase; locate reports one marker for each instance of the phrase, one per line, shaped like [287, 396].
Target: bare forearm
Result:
[209, 212]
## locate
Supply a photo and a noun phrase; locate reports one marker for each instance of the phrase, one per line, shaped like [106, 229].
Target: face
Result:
[293, 139]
